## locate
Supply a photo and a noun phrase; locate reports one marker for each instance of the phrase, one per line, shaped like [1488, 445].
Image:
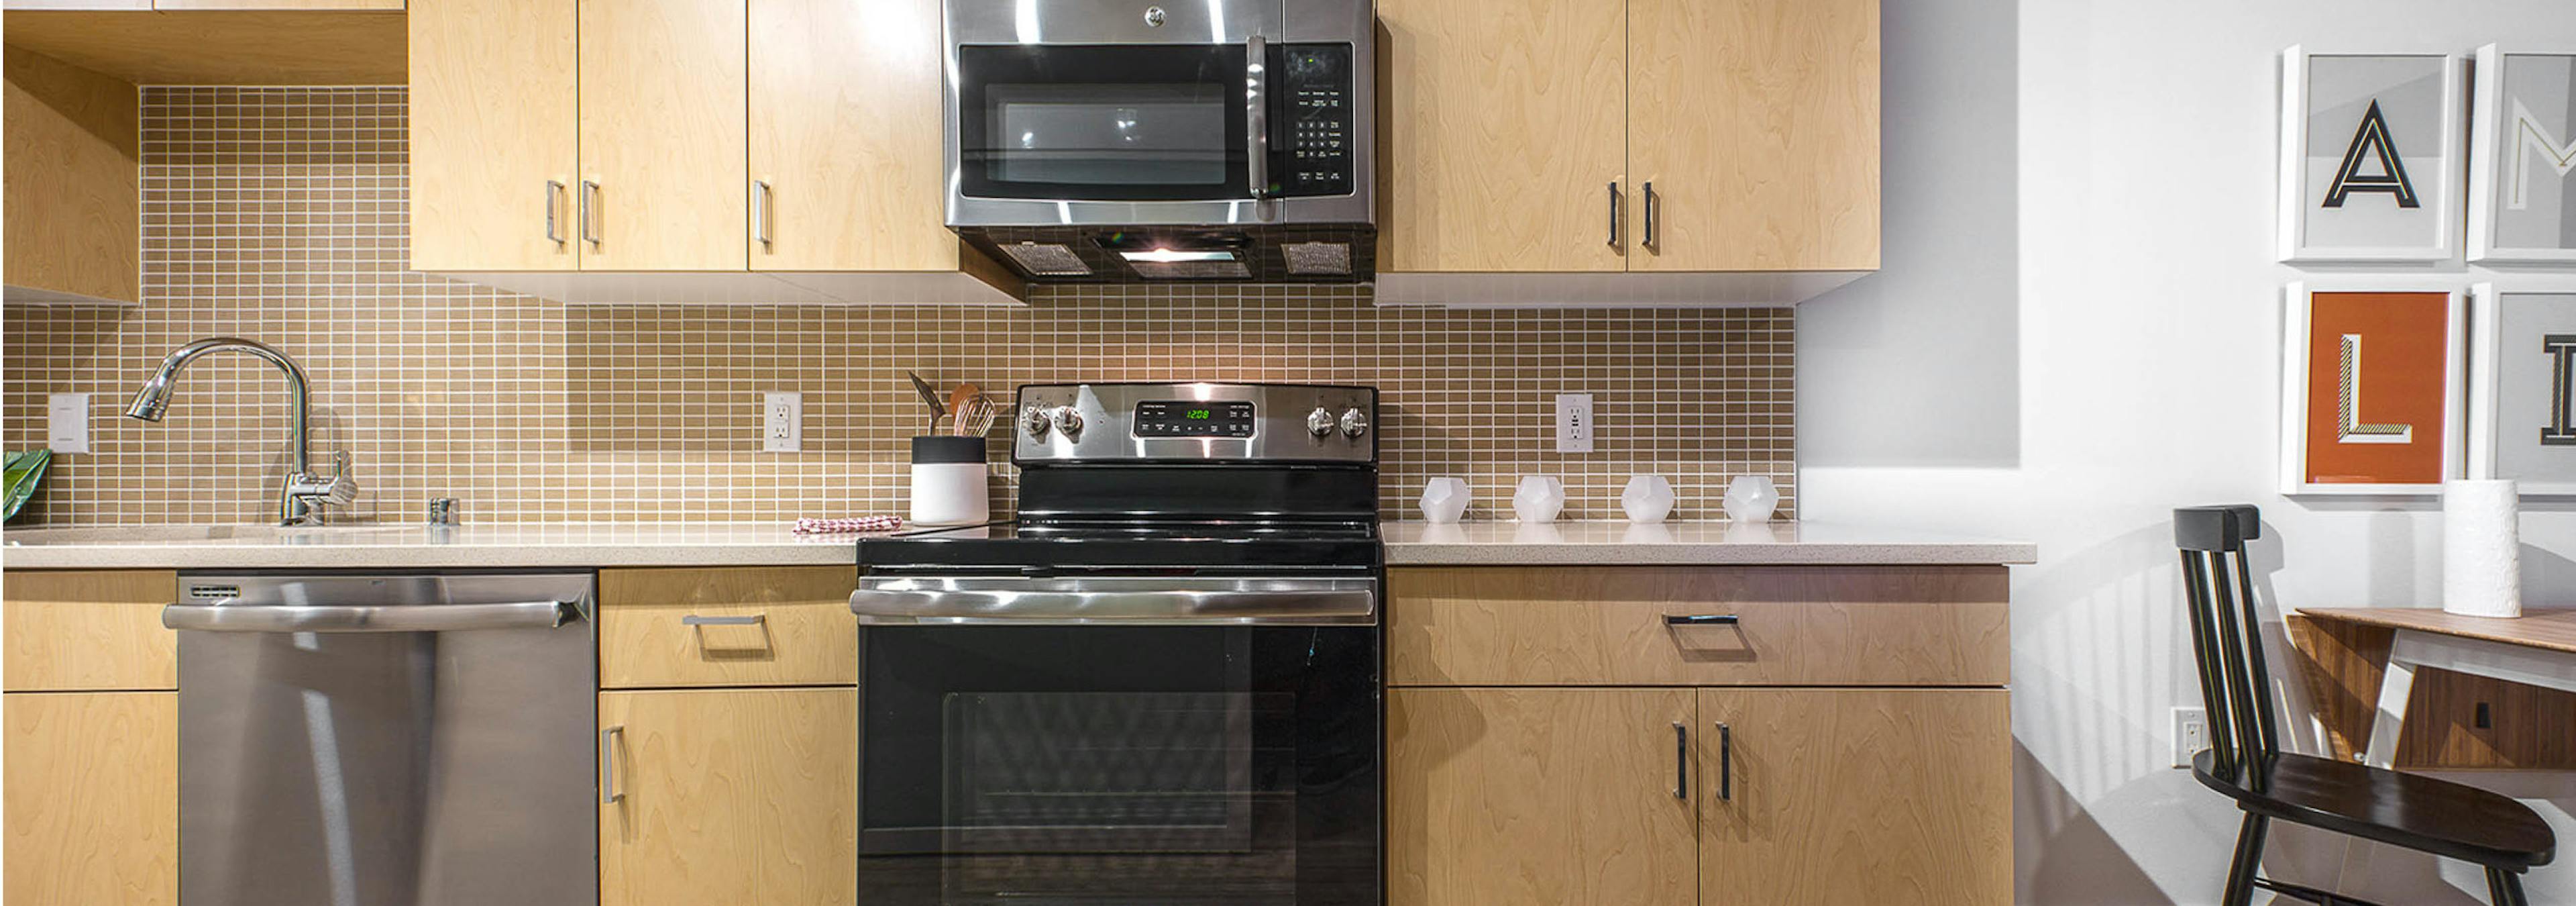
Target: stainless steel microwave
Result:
[1128, 140]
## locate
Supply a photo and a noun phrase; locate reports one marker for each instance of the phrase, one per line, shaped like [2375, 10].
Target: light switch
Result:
[67, 422]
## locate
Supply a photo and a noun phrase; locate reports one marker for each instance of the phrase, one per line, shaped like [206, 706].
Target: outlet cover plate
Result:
[1574, 425]
[782, 421]
[67, 422]
[2190, 734]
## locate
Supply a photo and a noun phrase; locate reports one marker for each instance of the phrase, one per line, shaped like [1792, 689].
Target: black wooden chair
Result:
[2246, 763]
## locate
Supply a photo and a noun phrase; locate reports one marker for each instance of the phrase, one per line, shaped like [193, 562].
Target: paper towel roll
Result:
[2481, 548]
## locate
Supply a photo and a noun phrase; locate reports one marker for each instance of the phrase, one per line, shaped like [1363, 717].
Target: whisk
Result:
[974, 418]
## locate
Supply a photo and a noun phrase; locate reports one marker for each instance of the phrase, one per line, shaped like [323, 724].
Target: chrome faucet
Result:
[301, 497]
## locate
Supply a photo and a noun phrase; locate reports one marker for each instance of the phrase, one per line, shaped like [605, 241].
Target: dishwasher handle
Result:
[355, 618]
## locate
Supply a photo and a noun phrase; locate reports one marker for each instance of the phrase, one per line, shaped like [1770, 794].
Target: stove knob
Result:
[1068, 422]
[1354, 423]
[1319, 422]
[1034, 420]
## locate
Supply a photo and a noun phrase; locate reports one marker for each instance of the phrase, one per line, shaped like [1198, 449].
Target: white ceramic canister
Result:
[948, 481]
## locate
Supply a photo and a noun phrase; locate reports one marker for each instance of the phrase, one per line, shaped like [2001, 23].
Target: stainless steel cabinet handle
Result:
[390, 618]
[696, 620]
[554, 200]
[760, 211]
[1700, 619]
[1725, 762]
[1650, 214]
[1681, 760]
[589, 211]
[1614, 213]
[608, 794]
[1256, 114]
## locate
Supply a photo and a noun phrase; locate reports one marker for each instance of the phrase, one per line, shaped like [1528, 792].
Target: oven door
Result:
[1012, 751]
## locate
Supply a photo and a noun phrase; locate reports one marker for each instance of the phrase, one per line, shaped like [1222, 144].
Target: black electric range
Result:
[1160, 684]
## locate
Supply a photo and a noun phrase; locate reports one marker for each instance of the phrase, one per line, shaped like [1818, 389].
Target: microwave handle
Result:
[1256, 109]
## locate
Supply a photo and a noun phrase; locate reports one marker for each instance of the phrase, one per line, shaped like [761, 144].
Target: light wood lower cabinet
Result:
[1610, 757]
[88, 630]
[92, 808]
[743, 626]
[729, 796]
[1855, 796]
[1533, 796]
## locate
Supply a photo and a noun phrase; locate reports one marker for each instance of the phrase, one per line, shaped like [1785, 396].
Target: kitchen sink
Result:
[187, 534]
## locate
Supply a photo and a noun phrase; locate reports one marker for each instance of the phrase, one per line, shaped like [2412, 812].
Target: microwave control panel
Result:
[1314, 81]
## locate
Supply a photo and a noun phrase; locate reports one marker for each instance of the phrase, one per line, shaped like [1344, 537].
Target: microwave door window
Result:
[1155, 123]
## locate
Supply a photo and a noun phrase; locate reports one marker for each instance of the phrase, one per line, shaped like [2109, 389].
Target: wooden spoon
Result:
[957, 400]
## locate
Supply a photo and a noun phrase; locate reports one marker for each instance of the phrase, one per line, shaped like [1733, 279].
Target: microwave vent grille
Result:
[1318, 259]
[1047, 259]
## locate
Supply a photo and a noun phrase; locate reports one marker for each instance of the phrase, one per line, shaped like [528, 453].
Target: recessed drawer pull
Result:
[696, 620]
[1700, 619]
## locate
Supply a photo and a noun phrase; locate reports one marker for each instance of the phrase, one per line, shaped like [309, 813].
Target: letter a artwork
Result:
[2391, 178]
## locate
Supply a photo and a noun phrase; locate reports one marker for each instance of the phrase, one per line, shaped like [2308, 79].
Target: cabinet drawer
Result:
[88, 630]
[754, 626]
[1790, 625]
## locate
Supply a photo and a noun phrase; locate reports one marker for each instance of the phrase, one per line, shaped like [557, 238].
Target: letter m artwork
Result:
[2372, 139]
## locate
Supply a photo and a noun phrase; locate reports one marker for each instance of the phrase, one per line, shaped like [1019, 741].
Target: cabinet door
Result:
[662, 121]
[845, 136]
[1757, 122]
[1537, 796]
[87, 630]
[729, 796]
[1855, 796]
[493, 134]
[92, 814]
[1501, 131]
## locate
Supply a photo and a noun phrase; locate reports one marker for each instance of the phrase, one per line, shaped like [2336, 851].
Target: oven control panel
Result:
[1195, 421]
[1192, 418]
[1314, 88]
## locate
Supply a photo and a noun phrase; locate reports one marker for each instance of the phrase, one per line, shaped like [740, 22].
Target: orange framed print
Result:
[2372, 381]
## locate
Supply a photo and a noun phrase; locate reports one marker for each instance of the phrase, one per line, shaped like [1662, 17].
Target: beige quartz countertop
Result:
[1686, 544]
[764, 544]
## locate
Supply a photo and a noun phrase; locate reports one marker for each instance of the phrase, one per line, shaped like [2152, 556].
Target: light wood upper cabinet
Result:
[1537, 796]
[1757, 123]
[845, 136]
[92, 809]
[730, 796]
[492, 126]
[662, 122]
[1855, 796]
[73, 183]
[88, 630]
[1502, 134]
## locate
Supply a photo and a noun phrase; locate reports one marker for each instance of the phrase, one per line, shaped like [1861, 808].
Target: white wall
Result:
[2076, 331]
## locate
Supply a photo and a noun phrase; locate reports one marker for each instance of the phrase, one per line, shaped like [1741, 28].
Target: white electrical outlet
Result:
[2190, 734]
[1574, 423]
[67, 422]
[782, 421]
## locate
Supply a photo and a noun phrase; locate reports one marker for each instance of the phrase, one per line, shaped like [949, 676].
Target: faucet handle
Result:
[338, 489]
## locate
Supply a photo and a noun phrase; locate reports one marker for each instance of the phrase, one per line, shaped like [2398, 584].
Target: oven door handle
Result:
[902, 600]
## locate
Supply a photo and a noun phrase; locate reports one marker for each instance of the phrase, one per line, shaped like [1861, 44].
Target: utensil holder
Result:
[948, 486]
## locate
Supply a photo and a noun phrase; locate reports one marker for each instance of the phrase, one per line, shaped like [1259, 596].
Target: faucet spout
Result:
[152, 401]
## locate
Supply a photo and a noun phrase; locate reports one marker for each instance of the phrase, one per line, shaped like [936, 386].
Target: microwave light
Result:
[1175, 256]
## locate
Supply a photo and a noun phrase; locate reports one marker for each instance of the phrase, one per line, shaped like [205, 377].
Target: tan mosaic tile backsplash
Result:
[279, 214]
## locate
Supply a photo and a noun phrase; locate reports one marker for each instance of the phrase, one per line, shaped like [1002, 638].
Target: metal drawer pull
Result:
[608, 794]
[760, 211]
[1681, 760]
[1700, 619]
[589, 209]
[221, 617]
[1725, 762]
[696, 620]
[554, 200]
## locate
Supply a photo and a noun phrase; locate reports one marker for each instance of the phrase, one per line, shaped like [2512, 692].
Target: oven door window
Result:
[1179, 765]
[1102, 123]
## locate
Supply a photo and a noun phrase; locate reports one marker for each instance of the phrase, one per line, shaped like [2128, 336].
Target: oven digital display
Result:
[1193, 418]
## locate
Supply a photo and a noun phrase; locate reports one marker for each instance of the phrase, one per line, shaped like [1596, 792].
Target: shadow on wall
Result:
[2079, 863]
[1919, 364]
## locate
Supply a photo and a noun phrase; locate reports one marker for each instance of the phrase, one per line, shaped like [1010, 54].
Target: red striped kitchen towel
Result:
[847, 526]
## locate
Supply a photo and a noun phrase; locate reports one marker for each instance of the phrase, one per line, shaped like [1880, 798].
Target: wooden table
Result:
[2538, 649]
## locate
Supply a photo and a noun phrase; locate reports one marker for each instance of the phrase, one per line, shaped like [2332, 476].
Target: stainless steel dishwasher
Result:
[414, 740]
